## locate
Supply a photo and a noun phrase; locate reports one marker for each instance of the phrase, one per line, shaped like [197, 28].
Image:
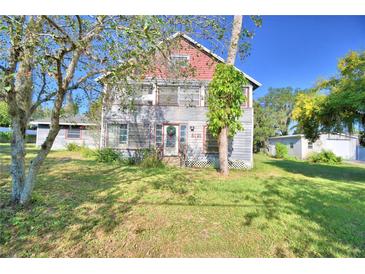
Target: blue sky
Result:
[298, 50]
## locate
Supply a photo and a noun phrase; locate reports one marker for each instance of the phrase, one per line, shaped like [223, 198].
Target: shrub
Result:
[325, 156]
[147, 158]
[152, 159]
[6, 136]
[73, 147]
[107, 155]
[281, 151]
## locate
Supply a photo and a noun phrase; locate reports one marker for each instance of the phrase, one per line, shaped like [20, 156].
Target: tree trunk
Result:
[223, 151]
[235, 37]
[19, 100]
[17, 167]
[223, 135]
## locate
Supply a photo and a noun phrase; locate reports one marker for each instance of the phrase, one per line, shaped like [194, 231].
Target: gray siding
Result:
[241, 145]
[88, 138]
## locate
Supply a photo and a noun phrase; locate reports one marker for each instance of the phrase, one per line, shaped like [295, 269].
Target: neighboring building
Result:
[298, 146]
[171, 113]
[77, 130]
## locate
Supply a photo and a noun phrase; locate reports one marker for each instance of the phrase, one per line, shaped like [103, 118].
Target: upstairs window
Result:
[189, 96]
[168, 95]
[73, 133]
[246, 93]
[143, 94]
[179, 60]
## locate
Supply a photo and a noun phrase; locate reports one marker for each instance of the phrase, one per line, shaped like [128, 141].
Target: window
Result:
[158, 135]
[123, 134]
[168, 95]
[143, 94]
[179, 60]
[189, 96]
[291, 145]
[183, 134]
[246, 93]
[138, 135]
[73, 132]
[310, 145]
[117, 135]
[211, 143]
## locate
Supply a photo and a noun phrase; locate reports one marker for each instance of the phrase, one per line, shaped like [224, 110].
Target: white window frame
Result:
[180, 56]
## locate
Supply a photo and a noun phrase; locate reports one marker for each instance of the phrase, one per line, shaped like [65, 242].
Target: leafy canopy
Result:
[306, 112]
[279, 103]
[342, 108]
[225, 98]
[263, 127]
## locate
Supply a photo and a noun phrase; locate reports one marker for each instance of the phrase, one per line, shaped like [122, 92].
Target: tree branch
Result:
[57, 27]
[79, 21]
[85, 78]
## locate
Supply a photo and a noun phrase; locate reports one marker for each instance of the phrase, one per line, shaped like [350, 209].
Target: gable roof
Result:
[209, 52]
[255, 83]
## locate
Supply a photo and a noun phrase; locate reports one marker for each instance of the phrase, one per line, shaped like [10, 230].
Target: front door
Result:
[171, 141]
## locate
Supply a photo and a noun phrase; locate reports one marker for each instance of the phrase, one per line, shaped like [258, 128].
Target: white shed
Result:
[298, 146]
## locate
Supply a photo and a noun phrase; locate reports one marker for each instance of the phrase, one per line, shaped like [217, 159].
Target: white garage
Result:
[343, 145]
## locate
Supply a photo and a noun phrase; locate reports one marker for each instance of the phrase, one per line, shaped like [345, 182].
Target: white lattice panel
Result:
[201, 163]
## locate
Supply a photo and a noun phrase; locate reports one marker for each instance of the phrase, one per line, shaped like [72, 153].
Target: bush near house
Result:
[281, 151]
[85, 151]
[151, 158]
[107, 155]
[73, 147]
[325, 156]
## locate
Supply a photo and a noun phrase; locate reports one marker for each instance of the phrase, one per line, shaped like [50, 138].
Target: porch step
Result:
[171, 160]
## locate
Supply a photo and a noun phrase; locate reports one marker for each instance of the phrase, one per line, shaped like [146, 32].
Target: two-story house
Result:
[170, 113]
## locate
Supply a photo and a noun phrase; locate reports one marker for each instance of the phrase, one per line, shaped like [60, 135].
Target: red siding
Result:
[203, 63]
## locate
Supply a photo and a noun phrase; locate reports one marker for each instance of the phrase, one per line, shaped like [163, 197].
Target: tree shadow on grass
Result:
[337, 217]
[341, 173]
[74, 203]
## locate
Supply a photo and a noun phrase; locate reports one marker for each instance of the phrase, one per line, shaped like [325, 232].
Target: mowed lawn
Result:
[81, 208]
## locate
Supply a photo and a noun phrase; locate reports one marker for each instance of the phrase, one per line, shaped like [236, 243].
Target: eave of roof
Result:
[302, 135]
[62, 123]
[287, 136]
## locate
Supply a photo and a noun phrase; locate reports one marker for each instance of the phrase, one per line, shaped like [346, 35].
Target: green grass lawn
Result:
[281, 208]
